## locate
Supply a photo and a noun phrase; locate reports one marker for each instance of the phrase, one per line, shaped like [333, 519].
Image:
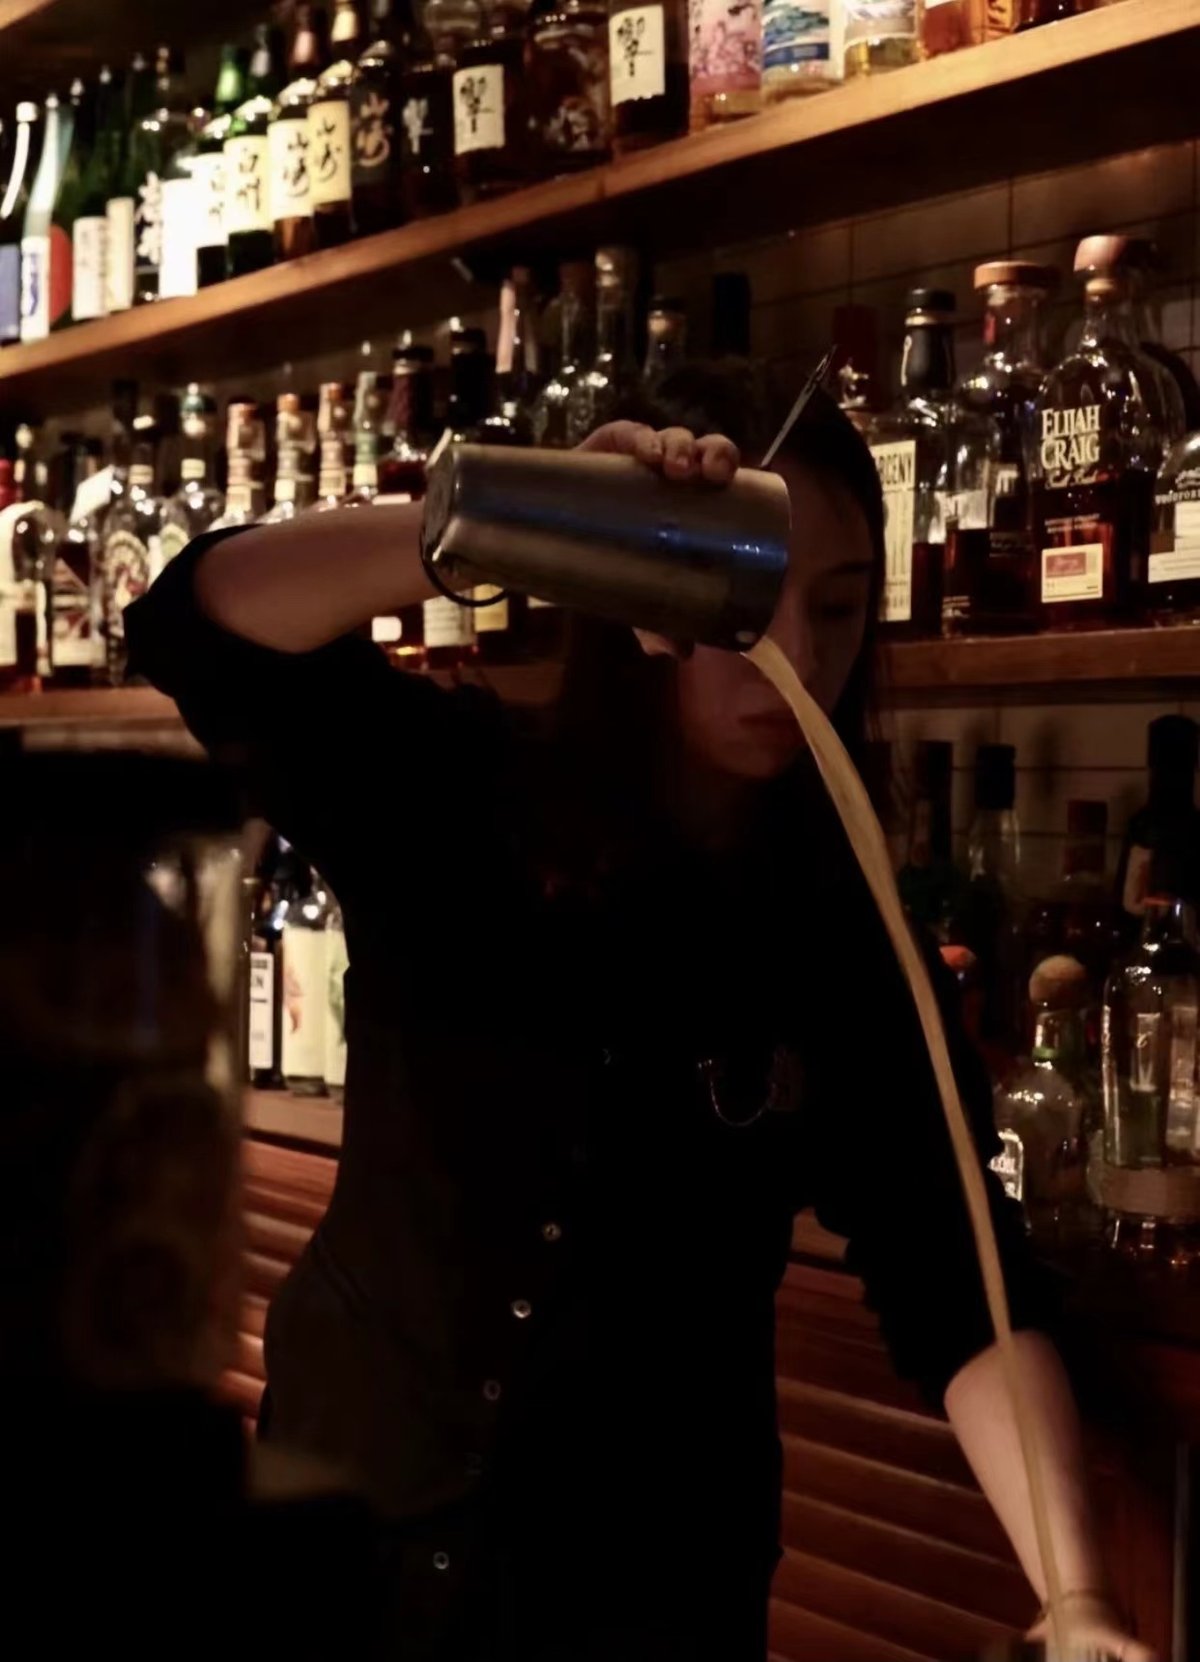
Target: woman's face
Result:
[731, 717]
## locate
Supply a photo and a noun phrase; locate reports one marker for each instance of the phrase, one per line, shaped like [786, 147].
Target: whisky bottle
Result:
[182, 210]
[1097, 447]
[596, 394]
[304, 950]
[333, 446]
[400, 477]
[130, 543]
[490, 108]
[41, 303]
[89, 230]
[1172, 593]
[246, 451]
[375, 117]
[1133, 259]
[666, 341]
[208, 169]
[295, 455]
[451, 629]
[803, 47]
[329, 132]
[1078, 918]
[121, 208]
[911, 450]
[197, 504]
[516, 381]
[249, 221]
[648, 72]
[991, 567]
[428, 175]
[372, 393]
[949, 24]
[155, 142]
[725, 60]
[16, 178]
[570, 320]
[288, 139]
[567, 92]
[880, 35]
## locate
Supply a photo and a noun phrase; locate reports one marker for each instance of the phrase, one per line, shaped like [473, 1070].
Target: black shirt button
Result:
[441, 1560]
[491, 1390]
[552, 1232]
[521, 1309]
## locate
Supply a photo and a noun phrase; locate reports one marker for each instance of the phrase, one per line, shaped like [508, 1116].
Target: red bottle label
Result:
[62, 273]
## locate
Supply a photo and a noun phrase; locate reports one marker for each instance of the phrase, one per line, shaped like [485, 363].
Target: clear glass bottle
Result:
[803, 47]
[208, 169]
[288, 138]
[375, 118]
[1096, 450]
[329, 131]
[304, 953]
[333, 446]
[40, 307]
[1041, 1115]
[880, 35]
[572, 312]
[428, 174]
[295, 458]
[724, 60]
[246, 454]
[1148, 1036]
[910, 447]
[648, 72]
[613, 376]
[491, 150]
[1172, 593]
[130, 543]
[249, 219]
[567, 91]
[197, 504]
[666, 340]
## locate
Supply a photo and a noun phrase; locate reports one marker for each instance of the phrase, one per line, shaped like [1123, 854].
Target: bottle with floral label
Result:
[130, 546]
[567, 68]
[725, 59]
[648, 71]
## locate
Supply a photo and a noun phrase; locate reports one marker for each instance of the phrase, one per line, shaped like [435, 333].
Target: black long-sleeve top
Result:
[578, 1125]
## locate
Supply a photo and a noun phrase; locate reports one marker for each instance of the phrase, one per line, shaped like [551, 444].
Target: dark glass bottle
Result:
[450, 629]
[613, 375]
[208, 169]
[1077, 919]
[121, 210]
[288, 138]
[266, 994]
[1168, 820]
[89, 229]
[74, 646]
[929, 882]
[428, 176]
[567, 86]
[400, 474]
[163, 132]
[490, 110]
[1172, 595]
[330, 154]
[17, 178]
[732, 302]
[666, 340]
[648, 70]
[570, 317]
[375, 118]
[249, 221]
[80, 117]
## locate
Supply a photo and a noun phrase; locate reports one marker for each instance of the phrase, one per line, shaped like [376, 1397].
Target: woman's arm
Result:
[980, 1410]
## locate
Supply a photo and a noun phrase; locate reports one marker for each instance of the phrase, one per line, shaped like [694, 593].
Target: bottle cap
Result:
[1087, 819]
[995, 776]
[1016, 274]
[1116, 253]
[1173, 745]
[938, 305]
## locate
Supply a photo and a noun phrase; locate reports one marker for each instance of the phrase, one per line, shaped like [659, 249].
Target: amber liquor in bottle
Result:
[648, 72]
[401, 470]
[567, 86]
[490, 118]
[375, 114]
[288, 140]
[330, 163]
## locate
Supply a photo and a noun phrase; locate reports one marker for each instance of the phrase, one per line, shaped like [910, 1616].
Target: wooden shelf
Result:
[1117, 659]
[936, 126]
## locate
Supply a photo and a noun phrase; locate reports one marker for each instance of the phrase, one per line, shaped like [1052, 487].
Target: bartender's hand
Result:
[674, 451]
[1094, 1629]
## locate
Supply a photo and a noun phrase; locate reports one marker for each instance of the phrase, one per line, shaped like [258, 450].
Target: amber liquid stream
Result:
[854, 809]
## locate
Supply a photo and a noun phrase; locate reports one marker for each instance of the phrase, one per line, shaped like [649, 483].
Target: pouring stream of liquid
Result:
[854, 809]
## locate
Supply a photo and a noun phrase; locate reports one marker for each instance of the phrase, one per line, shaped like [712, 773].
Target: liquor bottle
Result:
[666, 341]
[1042, 1115]
[1097, 448]
[295, 454]
[393, 424]
[1148, 1035]
[17, 179]
[372, 396]
[9, 594]
[41, 305]
[1133, 259]
[130, 545]
[880, 35]
[1141, 258]
[330, 157]
[34, 537]
[731, 307]
[75, 640]
[89, 230]
[950, 24]
[249, 220]
[991, 906]
[304, 956]
[184, 210]
[596, 394]
[288, 139]
[264, 1025]
[450, 629]
[803, 47]
[910, 447]
[1168, 819]
[245, 451]
[197, 504]
[572, 310]
[991, 566]
[1172, 594]
[490, 115]
[567, 86]
[337, 962]
[1078, 919]
[428, 171]
[510, 421]
[78, 143]
[375, 115]
[208, 169]
[854, 399]
[121, 208]
[333, 438]
[166, 130]
[1033, 13]
[724, 60]
[929, 882]
[648, 70]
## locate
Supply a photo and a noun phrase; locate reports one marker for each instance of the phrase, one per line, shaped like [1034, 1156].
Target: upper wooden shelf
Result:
[1096, 84]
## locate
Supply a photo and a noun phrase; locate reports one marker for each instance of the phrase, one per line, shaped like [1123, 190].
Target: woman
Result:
[619, 1005]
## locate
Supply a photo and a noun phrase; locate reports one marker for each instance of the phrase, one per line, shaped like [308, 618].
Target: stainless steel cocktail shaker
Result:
[606, 535]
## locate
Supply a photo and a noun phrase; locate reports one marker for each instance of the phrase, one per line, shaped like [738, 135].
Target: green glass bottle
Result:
[208, 169]
[121, 209]
[89, 233]
[249, 222]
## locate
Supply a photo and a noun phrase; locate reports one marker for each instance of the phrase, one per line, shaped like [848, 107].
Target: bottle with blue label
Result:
[16, 181]
[803, 47]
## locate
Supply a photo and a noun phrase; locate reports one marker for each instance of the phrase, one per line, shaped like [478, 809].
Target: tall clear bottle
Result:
[648, 70]
[41, 303]
[122, 206]
[248, 214]
[724, 60]
[130, 546]
[208, 169]
[288, 137]
[17, 181]
[613, 376]
[89, 228]
[197, 504]
[330, 149]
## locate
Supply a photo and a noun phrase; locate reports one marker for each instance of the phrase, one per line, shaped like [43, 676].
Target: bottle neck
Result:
[1167, 921]
[664, 351]
[929, 838]
[468, 396]
[1011, 326]
[1172, 790]
[574, 332]
[1108, 316]
[927, 363]
[994, 842]
[411, 415]
[231, 88]
[1058, 1038]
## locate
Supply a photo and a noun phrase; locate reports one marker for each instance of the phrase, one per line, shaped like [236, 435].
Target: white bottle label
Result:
[247, 185]
[447, 623]
[897, 466]
[120, 216]
[89, 293]
[880, 20]
[637, 53]
[479, 108]
[9, 593]
[303, 1003]
[208, 176]
[181, 221]
[1073, 573]
[329, 151]
[798, 41]
[291, 187]
[335, 1007]
[261, 1022]
[1183, 561]
[491, 619]
[1009, 1165]
[35, 288]
[71, 621]
[386, 631]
